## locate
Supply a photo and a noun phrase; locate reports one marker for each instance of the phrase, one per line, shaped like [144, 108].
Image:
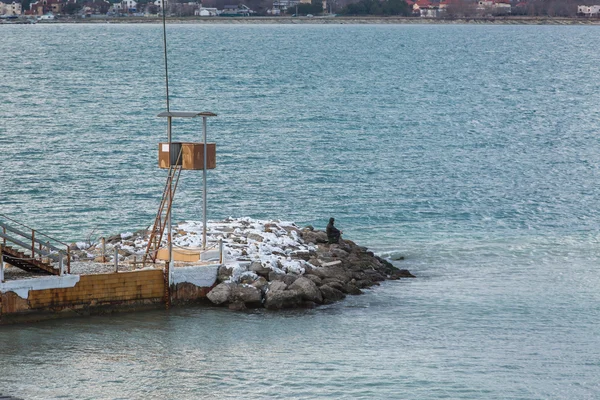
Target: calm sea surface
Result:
[473, 151]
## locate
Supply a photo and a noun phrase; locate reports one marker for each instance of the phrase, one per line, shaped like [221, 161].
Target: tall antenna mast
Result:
[165, 48]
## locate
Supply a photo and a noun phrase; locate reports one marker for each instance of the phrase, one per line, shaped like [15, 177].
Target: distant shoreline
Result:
[375, 20]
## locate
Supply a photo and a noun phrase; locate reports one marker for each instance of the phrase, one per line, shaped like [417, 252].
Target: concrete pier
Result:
[27, 300]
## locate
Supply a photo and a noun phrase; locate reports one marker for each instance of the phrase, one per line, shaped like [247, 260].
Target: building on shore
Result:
[240, 10]
[207, 12]
[9, 9]
[493, 7]
[589, 11]
[282, 6]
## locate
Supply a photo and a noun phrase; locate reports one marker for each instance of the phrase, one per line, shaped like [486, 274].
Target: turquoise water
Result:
[473, 151]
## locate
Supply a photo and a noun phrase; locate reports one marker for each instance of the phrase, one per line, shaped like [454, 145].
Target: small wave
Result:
[392, 255]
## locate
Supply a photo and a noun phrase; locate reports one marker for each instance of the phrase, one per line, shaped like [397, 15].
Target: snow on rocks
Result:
[277, 265]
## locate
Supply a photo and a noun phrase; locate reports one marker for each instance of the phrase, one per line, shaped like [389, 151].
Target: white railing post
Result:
[116, 258]
[1, 267]
[61, 265]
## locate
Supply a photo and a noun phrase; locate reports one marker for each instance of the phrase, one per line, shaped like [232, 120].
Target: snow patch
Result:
[201, 276]
[23, 286]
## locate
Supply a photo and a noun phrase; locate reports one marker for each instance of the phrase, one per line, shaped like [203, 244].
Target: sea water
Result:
[471, 151]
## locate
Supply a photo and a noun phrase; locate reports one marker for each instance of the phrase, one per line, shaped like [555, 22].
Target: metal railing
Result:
[43, 248]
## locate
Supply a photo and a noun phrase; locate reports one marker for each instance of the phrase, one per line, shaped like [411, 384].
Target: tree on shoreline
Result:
[314, 7]
[377, 7]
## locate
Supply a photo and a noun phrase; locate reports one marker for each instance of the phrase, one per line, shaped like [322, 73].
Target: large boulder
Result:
[220, 293]
[404, 273]
[245, 294]
[276, 286]
[334, 283]
[259, 269]
[224, 273]
[374, 275]
[314, 278]
[363, 283]
[335, 272]
[278, 299]
[331, 295]
[261, 284]
[338, 252]
[351, 288]
[314, 237]
[276, 276]
[255, 236]
[310, 291]
[288, 279]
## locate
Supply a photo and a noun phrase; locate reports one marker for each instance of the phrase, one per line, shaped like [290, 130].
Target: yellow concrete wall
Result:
[90, 291]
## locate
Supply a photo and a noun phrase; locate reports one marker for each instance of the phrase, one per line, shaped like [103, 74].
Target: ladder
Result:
[164, 211]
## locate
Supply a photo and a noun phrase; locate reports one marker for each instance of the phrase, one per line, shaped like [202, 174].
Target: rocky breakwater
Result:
[289, 267]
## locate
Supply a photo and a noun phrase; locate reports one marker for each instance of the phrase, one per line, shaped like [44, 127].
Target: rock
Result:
[331, 295]
[325, 256]
[277, 285]
[290, 229]
[255, 236]
[259, 269]
[248, 277]
[288, 279]
[308, 228]
[310, 291]
[404, 273]
[278, 299]
[335, 271]
[374, 275]
[359, 265]
[237, 306]
[124, 253]
[224, 273]
[113, 239]
[219, 294]
[314, 237]
[261, 284]
[301, 254]
[245, 294]
[364, 283]
[352, 289]
[375, 263]
[276, 276]
[308, 304]
[336, 251]
[314, 278]
[335, 283]
[140, 233]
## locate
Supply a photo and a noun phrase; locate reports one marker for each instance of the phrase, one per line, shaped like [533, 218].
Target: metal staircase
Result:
[164, 211]
[25, 248]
